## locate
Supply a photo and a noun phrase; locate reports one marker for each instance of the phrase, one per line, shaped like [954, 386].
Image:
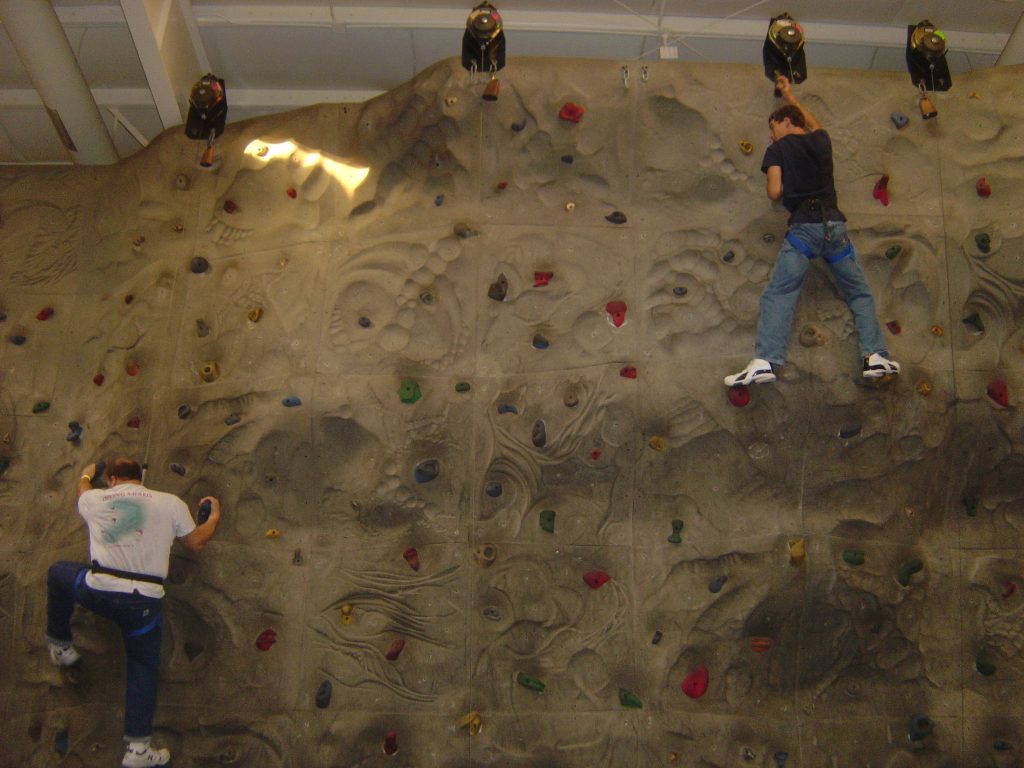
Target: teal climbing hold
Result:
[908, 569]
[677, 530]
[853, 557]
[984, 665]
[919, 728]
[527, 681]
[716, 584]
[893, 251]
[547, 520]
[291, 401]
[409, 391]
[629, 699]
[462, 386]
[970, 507]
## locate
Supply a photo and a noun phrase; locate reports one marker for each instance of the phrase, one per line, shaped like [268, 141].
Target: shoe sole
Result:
[761, 378]
[880, 374]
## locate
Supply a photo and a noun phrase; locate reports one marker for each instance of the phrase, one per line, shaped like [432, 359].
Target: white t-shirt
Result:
[132, 528]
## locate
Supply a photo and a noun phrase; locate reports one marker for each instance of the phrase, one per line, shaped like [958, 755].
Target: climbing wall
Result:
[453, 368]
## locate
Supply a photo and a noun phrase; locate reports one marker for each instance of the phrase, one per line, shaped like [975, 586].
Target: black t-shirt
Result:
[806, 162]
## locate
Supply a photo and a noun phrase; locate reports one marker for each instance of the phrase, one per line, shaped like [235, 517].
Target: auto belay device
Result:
[926, 57]
[207, 114]
[483, 46]
[783, 51]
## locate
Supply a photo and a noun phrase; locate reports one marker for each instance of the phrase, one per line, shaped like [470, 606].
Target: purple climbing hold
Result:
[567, 159]
[178, 469]
[365, 322]
[184, 411]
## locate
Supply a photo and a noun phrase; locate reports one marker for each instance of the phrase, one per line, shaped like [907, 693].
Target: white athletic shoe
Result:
[63, 654]
[758, 371]
[141, 755]
[876, 366]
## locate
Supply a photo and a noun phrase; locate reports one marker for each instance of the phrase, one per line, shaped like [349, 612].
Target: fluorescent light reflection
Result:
[349, 176]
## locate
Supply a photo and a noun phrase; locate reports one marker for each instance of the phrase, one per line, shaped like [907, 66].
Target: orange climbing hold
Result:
[982, 188]
[695, 684]
[881, 191]
[570, 112]
[616, 312]
[412, 557]
[596, 579]
[761, 644]
[797, 552]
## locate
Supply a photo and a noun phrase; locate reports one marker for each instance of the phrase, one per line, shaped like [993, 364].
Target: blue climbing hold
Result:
[60, 742]
[232, 419]
[680, 290]
[899, 119]
[178, 469]
[426, 471]
[323, 694]
[17, 339]
[439, 200]
[74, 431]
[919, 727]
[291, 401]
[184, 411]
[656, 637]
[539, 342]
[365, 322]
[780, 759]
[507, 408]
[517, 127]
[716, 585]
[493, 489]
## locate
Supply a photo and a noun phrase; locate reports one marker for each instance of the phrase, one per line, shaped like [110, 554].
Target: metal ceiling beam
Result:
[161, 33]
[243, 98]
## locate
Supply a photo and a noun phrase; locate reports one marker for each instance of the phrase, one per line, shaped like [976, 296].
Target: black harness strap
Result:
[97, 568]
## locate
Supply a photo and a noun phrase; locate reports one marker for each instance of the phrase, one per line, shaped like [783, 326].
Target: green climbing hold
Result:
[462, 386]
[41, 407]
[409, 391]
[547, 520]
[907, 570]
[629, 700]
[853, 557]
[984, 666]
[893, 251]
[970, 507]
[530, 682]
[677, 529]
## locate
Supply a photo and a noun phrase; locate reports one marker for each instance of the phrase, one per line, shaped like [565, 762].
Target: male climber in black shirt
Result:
[798, 164]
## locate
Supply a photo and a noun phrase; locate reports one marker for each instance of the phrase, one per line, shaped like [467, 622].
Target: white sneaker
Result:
[876, 366]
[758, 371]
[140, 755]
[63, 654]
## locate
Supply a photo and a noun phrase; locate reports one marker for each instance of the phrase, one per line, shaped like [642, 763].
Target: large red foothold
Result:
[998, 392]
[412, 557]
[627, 372]
[542, 278]
[45, 313]
[982, 187]
[739, 396]
[695, 684]
[390, 742]
[596, 579]
[266, 639]
[616, 312]
[881, 191]
[571, 112]
[395, 649]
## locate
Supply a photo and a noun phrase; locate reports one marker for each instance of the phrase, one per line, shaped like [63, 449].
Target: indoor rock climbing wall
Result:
[454, 369]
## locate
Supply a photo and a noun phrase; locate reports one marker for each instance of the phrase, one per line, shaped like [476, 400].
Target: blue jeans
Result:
[778, 302]
[140, 621]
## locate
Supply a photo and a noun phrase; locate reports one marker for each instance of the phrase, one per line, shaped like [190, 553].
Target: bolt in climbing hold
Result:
[346, 613]
[412, 557]
[881, 190]
[616, 217]
[898, 119]
[484, 555]
[491, 613]
[499, 288]
[761, 644]
[17, 339]
[409, 391]
[232, 419]
[998, 392]
[230, 206]
[98, 379]
[919, 727]
[297, 557]
[746, 147]
[616, 312]
[657, 443]
[395, 650]
[532, 683]
[797, 552]
[894, 327]
[45, 313]
[539, 437]
[695, 684]
[677, 529]
[390, 743]
[184, 411]
[74, 432]
[571, 113]
[973, 324]
[178, 469]
[854, 557]
[426, 471]
[272, 533]
[41, 407]
[937, 330]
[323, 694]
[292, 401]
[209, 371]
[547, 520]
[134, 422]
[982, 188]
[198, 265]
[739, 396]
[540, 342]
[493, 489]
[715, 585]
[596, 579]
[542, 278]
[893, 251]
[629, 700]
[983, 241]
[627, 372]
[255, 314]
[471, 722]
[906, 570]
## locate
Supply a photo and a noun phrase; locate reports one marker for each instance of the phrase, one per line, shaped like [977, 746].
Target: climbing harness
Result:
[805, 249]
[97, 568]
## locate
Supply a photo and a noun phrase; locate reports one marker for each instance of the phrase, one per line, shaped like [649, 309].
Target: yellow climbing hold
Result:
[746, 147]
[210, 371]
[255, 314]
[797, 552]
[570, 206]
[346, 614]
[924, 388]
[657, 443]
[272, 533]
[974, 95]
[471, 722]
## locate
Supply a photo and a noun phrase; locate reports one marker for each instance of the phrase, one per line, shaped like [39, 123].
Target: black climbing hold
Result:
[540, 435]
[98, 470]
[493, 489]
[728, 257]
[970, 507]
[234, 418]
[178, 469]
[517, 127]
[540, 342]
[4, 465]
[60, 742]
[984, 242]
[984, 666]
[656, 637]
[363, 208]
[893, 251]
[616, 217]
[567, 159]
[323, 694]
[507, 408]
[462, 386]
[973, 324]
[17, 339]
[499, 288]
[439, 200]
[192, 650]
[919, 727]
[202, 329]
[849, 431]
[716, 585]
[679, 290]
[1002, 746]
[184, 411]
[198, 265]
[297, 557]
[427, 298]
[204, 512]
[780, 759]
[426, 471]
[464, 230]
[768, 238]
[3, 316]
[906, 570]
[364, 322]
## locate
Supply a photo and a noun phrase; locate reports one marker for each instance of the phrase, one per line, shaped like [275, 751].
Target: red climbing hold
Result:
[761, 644]
[881, 192]
[266, 639]
[616, 312]
[894, 327]
[595, 579]
[134, 422]
[390, 742]
[1009, 588]
[982, 188]
[292, 193]
[739, 396]
[230, 206]
[595, 453]
[571, 112]
[502, 185]
[395, 649]
[98, 379]
[627, 372]
[695, 684]
[132, 368]
[998, 392]
[542, 278]
[412, 557]
[45, 313]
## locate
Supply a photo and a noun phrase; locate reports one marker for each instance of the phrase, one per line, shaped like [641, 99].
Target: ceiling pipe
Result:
[44, 50]
[1013, 51]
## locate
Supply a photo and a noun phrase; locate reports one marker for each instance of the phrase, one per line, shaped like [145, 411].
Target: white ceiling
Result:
[279, 55]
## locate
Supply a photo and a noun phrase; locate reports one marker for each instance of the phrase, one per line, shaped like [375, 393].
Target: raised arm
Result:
[782, 85]
[85, 481]
[202, 533]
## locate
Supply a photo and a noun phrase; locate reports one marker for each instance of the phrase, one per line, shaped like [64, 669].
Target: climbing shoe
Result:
[758, 371]
[876, 366]
[63, 654]
[139, 755]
